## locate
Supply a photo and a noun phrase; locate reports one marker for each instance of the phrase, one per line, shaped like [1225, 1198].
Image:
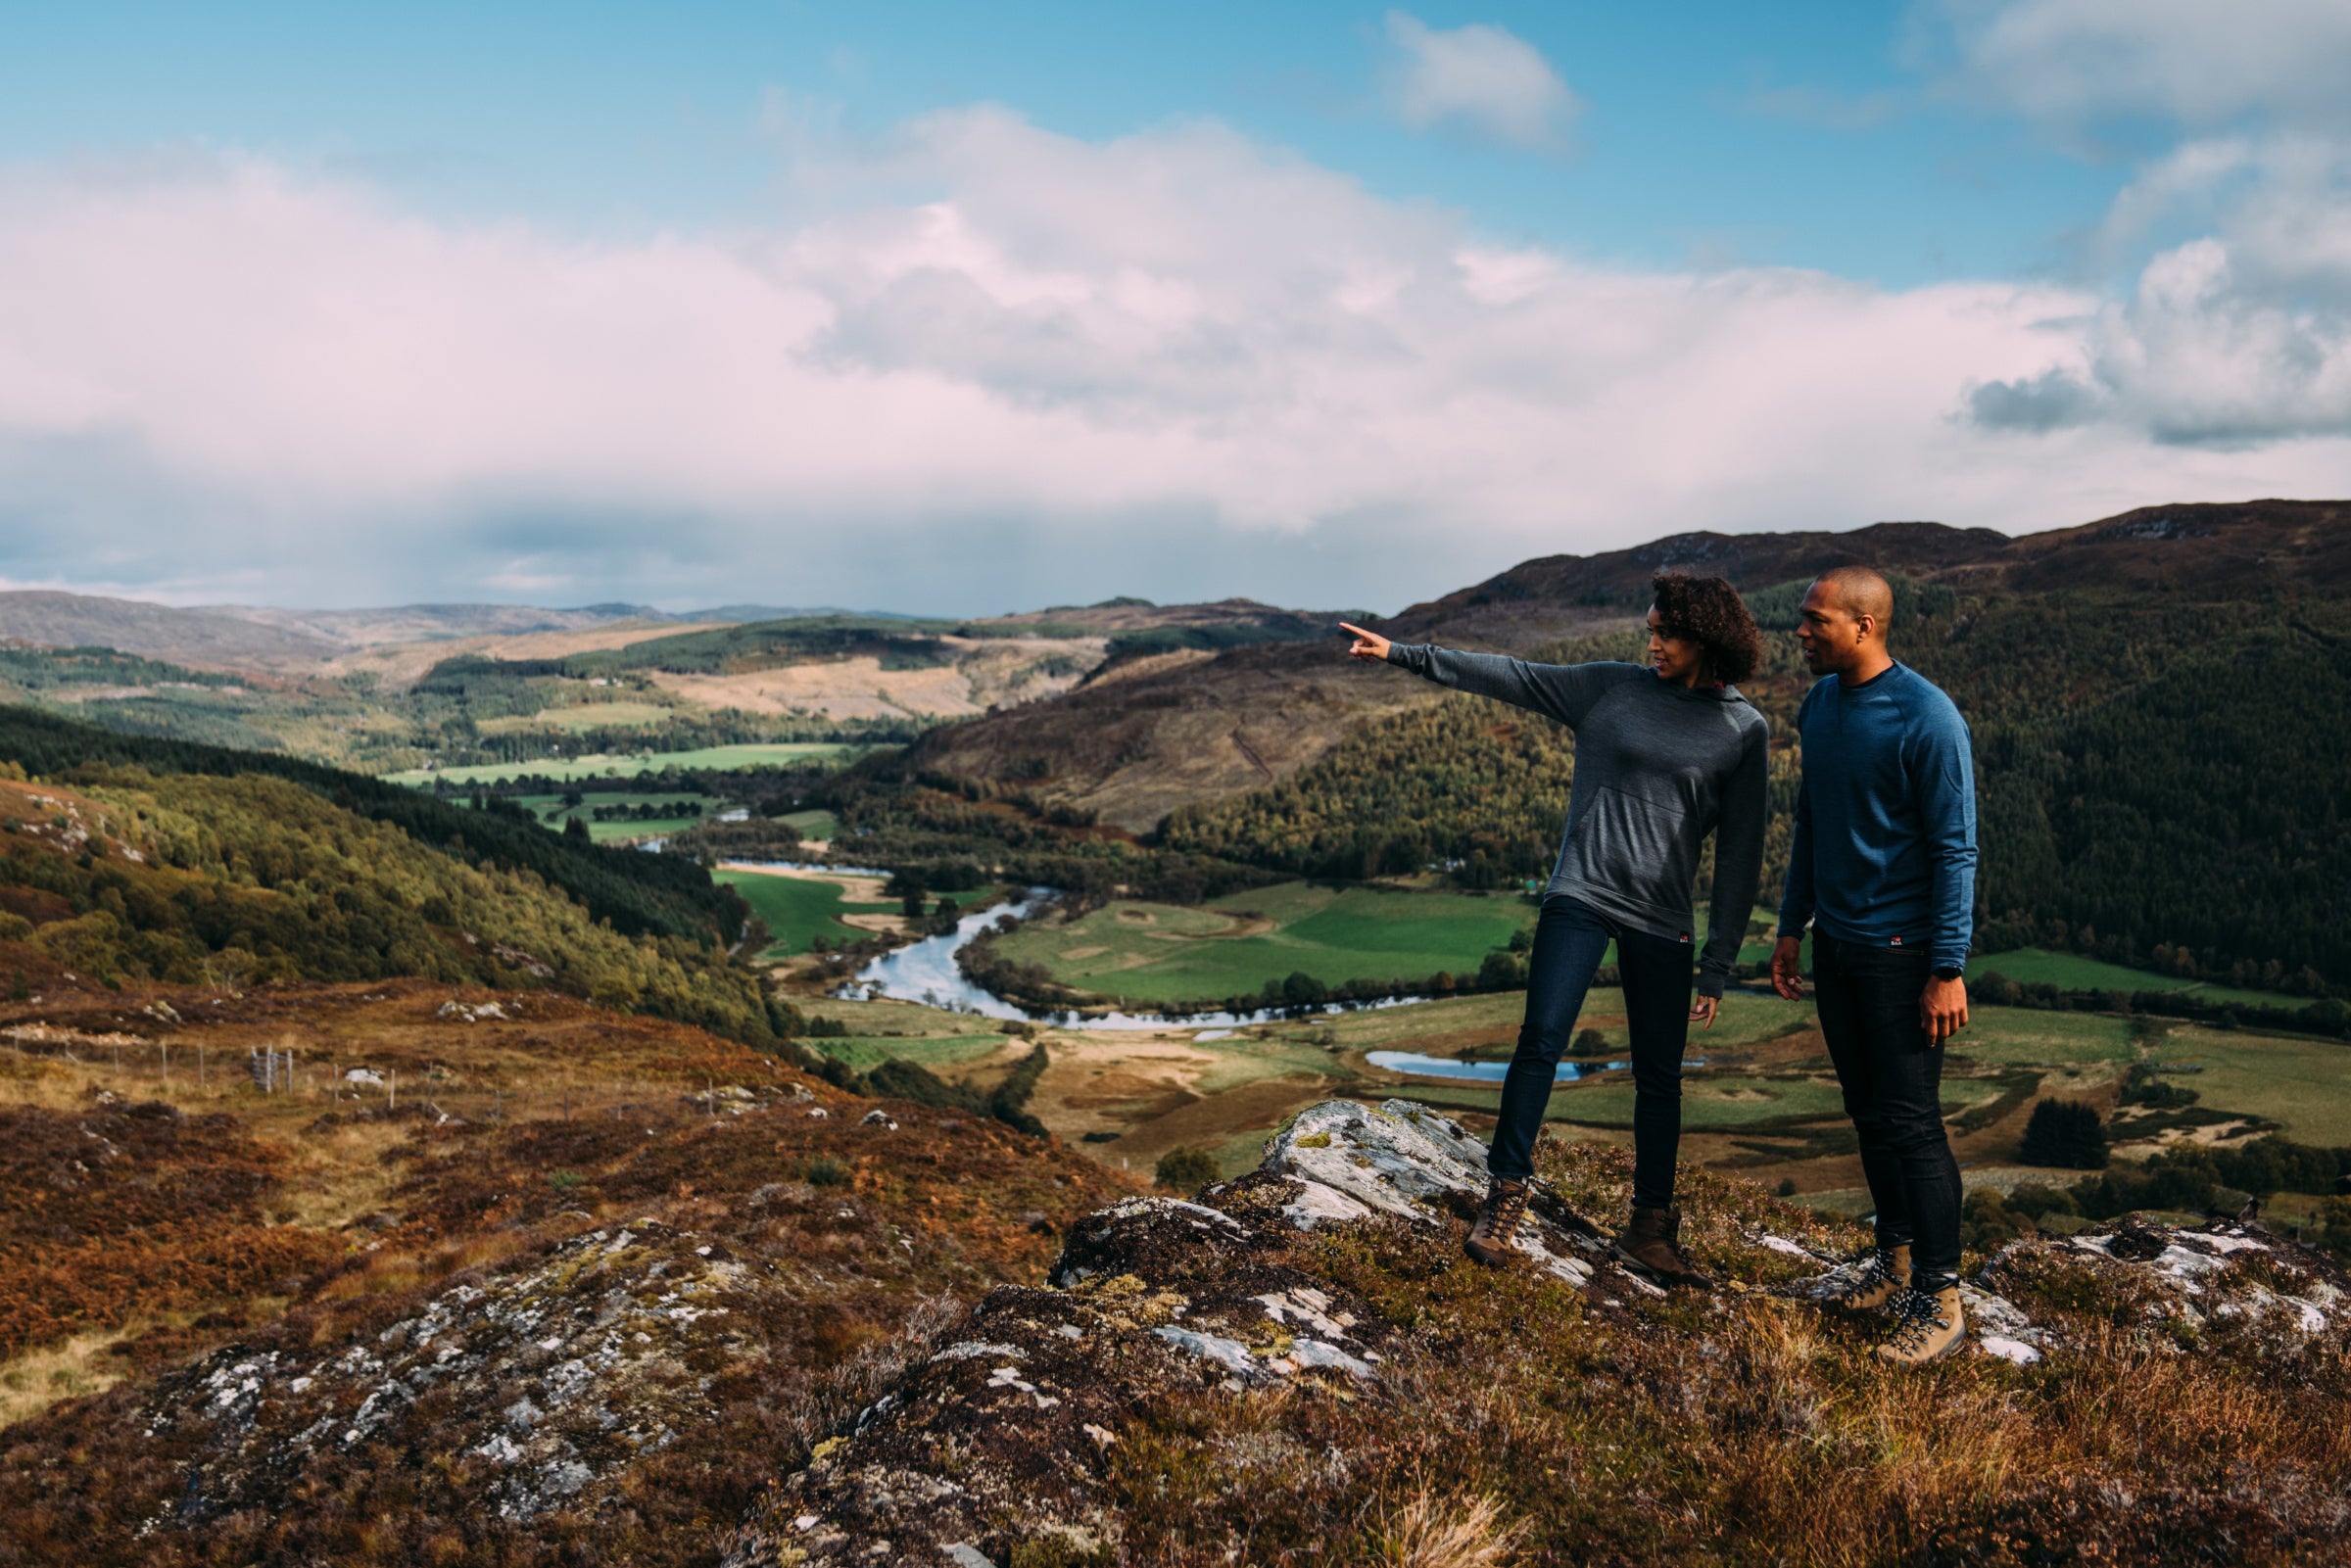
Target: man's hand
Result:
[1787, 968]
[1942, 1008]
[1703, 1009]
[1369, 646]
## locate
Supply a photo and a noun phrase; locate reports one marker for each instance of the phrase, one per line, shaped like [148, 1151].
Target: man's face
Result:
[1829, 633]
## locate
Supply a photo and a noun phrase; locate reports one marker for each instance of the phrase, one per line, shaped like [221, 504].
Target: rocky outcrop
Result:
[1000, 1444]
[548, 1379]
[1003, 1435]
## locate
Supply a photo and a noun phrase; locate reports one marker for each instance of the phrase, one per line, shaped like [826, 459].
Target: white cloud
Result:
[2237, 335]
[1175, 364]
[2237, 328]
[2197, 62]
[1484, 79]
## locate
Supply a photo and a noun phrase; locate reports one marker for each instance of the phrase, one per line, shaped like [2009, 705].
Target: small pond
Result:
[1443, 1066]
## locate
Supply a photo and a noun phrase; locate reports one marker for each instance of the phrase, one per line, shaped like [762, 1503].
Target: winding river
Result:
[925, 971]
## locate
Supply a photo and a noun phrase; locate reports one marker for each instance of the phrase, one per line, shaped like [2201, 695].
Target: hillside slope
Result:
[1164, 738]
[211, 640]
[127, 861]
[580, 1323]
[1300, 1369]
[2160, 705]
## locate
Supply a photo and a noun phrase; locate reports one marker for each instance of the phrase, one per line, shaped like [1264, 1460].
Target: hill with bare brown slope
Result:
[1136, 615]
[1184, 731]
[416, 623]
[572, 1299]
[205, 640]
[1131, 746]
[1555, 597]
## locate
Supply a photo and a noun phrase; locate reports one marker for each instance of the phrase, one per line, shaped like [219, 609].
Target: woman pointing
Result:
[1665, 754]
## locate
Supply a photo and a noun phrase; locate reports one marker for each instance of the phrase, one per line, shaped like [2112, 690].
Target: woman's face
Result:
[1676, 659]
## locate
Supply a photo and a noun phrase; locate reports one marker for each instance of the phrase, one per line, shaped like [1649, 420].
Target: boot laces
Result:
[1505, 1203]
[1917, 1317]
[1879, 1270]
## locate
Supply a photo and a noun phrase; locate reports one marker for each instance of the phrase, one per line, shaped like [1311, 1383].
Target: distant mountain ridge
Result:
[1189, 729]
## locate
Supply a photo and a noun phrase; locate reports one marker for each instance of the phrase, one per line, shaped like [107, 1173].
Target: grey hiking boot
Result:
[1885, 1276]
[1493, 1240]
[1927, 1325]
[1650, 1246]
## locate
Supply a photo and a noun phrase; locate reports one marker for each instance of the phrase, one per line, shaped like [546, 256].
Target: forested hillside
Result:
[125, 860]
[2164, 768]
[2164, 784]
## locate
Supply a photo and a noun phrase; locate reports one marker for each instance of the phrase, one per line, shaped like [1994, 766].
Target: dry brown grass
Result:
[1743, 1428]
[1427, 1531]
[861, 1242]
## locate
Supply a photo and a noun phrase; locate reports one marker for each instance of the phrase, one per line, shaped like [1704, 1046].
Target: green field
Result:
[2068, 971]
[1163, 953]
[2015, 1036]
[936, 1052]
[906, 1031]
[708, 759]
[2302, 1086]
[553, 814]
[797, 910]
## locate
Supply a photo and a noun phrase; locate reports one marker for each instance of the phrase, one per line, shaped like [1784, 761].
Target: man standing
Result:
[1883, 866]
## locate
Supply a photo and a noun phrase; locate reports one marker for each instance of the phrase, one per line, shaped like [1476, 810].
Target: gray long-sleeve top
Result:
[1657, 766]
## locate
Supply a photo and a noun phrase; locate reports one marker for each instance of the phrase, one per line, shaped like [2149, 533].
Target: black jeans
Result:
[1891, 1075]
[1570, 938]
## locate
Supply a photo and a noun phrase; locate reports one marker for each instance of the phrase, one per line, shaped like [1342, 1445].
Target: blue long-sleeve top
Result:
[1884, 846]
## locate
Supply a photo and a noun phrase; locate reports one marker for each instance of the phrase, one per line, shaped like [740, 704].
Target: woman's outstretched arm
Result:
[1563, 691]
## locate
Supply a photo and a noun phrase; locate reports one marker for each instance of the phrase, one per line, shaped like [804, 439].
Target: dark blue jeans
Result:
[1891, 1075]
[1570, 938]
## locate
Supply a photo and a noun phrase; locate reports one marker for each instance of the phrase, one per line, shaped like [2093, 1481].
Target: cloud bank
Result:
[989, 367]
[2236, 331]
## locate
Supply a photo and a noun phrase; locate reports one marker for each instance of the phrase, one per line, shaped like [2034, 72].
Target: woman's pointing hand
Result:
[1368, 646]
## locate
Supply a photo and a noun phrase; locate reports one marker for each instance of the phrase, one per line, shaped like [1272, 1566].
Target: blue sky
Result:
[1712, 134]
[963, 307]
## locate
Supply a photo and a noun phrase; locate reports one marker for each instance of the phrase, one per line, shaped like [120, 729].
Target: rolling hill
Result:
[127, 861]
[2159, 702]
[1195, 730]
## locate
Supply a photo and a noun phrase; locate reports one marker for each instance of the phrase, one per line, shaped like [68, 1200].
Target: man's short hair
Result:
[1859, 591]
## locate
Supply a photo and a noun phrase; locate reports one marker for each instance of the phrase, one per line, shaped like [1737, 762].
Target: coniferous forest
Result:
[2161, 783]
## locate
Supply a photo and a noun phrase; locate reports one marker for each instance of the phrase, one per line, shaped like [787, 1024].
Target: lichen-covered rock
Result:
[564, 1371]
[1001, 1438]
[999, 1445]
[1353, 1161]
[2194, 1285]
[2237, 1279]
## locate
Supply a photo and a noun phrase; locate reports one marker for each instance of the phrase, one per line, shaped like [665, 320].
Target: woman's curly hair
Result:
[1708, 611]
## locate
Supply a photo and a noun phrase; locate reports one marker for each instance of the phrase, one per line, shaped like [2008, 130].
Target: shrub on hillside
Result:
[1501, 972]
[2065, 1134]
[1187, 1169]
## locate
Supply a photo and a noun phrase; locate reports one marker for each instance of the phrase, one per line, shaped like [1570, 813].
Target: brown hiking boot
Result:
[1494, 1239]
[1927, 1325]
[1651, 1246]
[1885, 1275]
